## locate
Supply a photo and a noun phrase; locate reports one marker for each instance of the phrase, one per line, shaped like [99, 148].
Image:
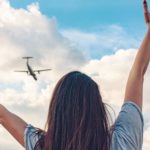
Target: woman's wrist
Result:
[148, 30]
[147, 35]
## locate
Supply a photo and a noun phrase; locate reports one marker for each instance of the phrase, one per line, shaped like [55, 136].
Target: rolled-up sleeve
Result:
[128, 128]
[30, 137]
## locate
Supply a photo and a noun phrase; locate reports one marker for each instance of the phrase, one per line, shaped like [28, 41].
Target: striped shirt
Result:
[127, 133]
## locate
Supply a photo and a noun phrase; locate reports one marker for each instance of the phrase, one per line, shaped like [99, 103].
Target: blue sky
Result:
[90, 14]
[93, 16]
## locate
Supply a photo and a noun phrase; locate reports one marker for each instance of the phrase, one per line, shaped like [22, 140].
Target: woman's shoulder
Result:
[128, 127]
[32, 136]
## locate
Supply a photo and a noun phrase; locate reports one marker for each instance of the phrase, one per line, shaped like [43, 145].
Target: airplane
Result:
[30, 71]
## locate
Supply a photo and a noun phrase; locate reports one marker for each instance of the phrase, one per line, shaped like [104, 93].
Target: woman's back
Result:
[127, 133]
[77, 117]
[78, 109]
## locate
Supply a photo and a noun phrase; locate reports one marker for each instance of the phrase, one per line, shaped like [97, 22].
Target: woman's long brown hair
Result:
[77, 117]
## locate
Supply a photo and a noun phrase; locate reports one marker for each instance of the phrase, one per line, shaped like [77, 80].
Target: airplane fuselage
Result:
[31, 71]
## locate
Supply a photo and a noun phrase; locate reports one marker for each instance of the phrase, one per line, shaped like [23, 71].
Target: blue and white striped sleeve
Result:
[30, 137]
[128, 128]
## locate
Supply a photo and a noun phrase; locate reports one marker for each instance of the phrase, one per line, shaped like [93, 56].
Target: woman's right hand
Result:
[146, 13]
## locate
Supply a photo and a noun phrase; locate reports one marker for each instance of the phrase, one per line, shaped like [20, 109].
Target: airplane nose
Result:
[35, 78]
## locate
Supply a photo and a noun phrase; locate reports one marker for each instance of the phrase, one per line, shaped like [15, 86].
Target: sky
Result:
[88, 14]
[99, 38]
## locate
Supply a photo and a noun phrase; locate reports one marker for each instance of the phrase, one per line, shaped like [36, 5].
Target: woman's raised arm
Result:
[134, 87]
[13, 124]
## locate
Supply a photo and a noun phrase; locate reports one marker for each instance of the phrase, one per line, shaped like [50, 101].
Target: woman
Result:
[78, 118]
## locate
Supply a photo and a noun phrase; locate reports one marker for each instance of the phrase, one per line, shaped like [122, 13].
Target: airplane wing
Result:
[42, 70]
[25, 71]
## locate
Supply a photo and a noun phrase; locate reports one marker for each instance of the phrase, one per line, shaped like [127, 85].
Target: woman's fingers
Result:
[146, 13]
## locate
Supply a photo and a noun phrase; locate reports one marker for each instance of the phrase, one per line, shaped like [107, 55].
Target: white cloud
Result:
[106, 39]
[109, 70]
[28, 32]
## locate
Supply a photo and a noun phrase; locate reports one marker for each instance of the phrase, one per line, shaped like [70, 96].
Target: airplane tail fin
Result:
[27, 57]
